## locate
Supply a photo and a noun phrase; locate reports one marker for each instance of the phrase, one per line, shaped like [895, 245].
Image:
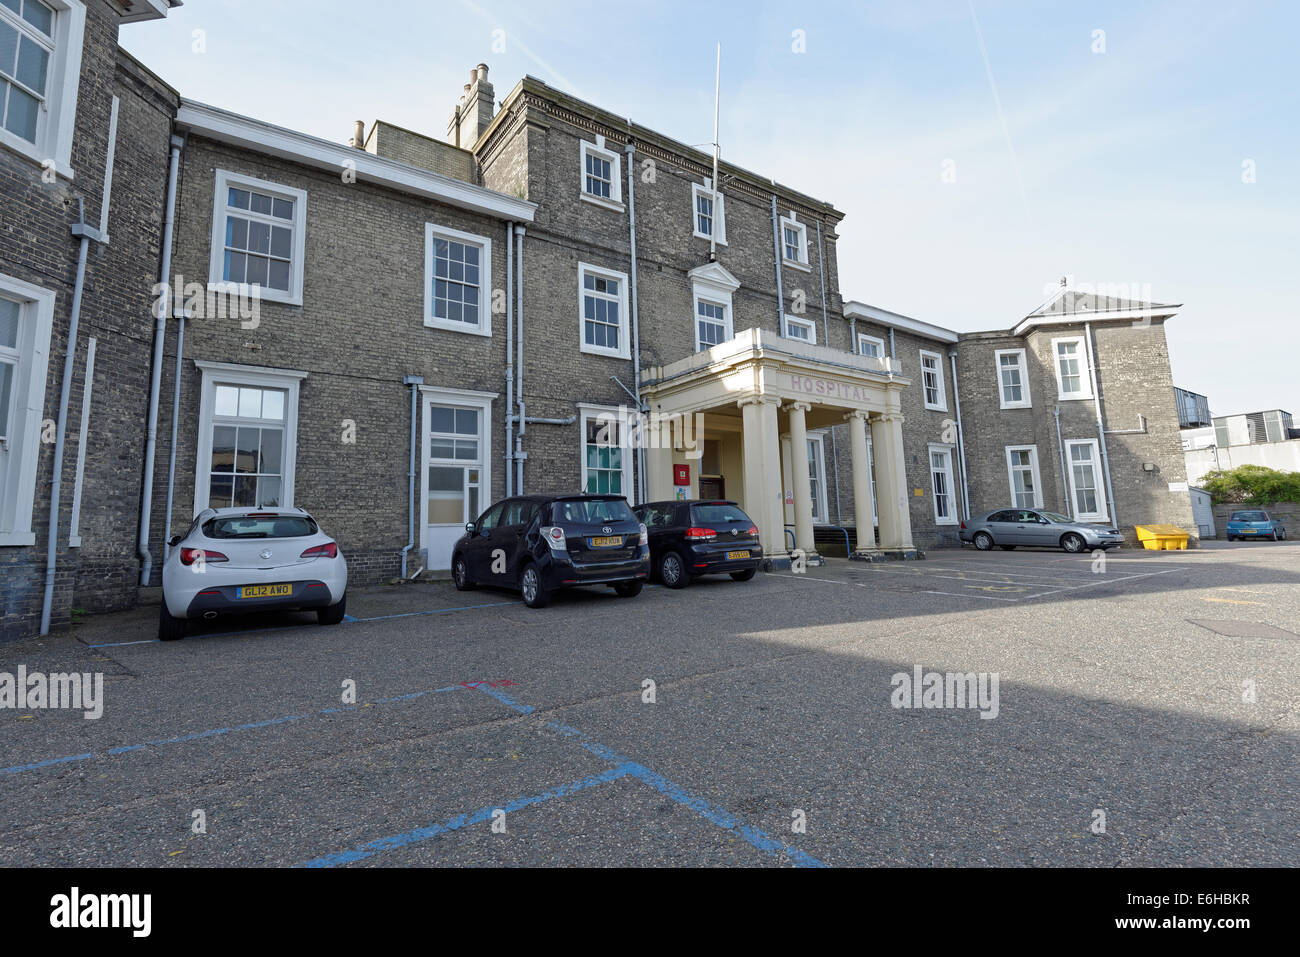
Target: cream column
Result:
[763, 472]
[891, 481]
[659, 460]
[863, 509]
[787, 481]
[803, 516]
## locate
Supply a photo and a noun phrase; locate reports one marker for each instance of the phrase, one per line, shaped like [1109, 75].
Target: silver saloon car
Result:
[1009, 527]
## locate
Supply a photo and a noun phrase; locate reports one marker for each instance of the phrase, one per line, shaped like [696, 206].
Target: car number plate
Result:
[1252, 531]
[263, 591]
[608, 541]
[733, 555]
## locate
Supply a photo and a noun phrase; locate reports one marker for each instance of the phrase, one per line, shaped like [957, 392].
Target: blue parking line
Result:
[504, 698]
[214, 732]
[465, 820]
[346, 618]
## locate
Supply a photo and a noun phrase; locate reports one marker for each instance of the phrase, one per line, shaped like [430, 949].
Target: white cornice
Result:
[860, 310]
[257, 136]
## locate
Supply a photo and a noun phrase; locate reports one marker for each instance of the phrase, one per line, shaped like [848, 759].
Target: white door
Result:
[1086, 492]
[454, 451]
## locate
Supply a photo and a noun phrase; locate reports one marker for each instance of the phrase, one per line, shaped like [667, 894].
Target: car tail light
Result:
[554, 536]
[700, 534]
[191, 555]
[328, 550]
[753, 531]
[963, 526]
[645, 535]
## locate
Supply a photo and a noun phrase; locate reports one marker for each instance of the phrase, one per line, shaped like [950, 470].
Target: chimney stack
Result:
[358, 140]
[473, 113]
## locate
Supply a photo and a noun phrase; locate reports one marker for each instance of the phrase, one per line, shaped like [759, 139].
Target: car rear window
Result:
[718, 514]
[1249, 517]
[259, 526]
[591, 511]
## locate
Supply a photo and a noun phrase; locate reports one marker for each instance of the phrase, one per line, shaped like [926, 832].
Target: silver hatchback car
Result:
[1009, 527]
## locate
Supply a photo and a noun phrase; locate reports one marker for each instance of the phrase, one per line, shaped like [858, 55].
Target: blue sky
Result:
[1115, 167]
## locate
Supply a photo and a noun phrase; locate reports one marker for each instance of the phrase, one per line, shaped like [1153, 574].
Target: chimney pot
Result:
[482, 71]
[359, 134]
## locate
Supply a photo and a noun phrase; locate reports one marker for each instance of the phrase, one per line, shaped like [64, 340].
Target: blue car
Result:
[1255, 523]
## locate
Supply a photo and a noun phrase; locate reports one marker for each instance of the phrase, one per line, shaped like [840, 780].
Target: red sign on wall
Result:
[681, 475]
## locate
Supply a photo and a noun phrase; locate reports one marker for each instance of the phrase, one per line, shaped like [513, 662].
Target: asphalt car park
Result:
[727, 723]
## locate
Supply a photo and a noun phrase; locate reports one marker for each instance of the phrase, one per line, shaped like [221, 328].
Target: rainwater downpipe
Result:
[1101, 424]
[155, 387]
[776, 248]
[510, 360]
[84, 234]
[520, 455]
[636, 328]
[826, 338]
[961, 435]
[1060, 448]
[179, 143]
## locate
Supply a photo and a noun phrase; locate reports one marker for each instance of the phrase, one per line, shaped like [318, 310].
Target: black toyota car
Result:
[540, 543]
[692, 538]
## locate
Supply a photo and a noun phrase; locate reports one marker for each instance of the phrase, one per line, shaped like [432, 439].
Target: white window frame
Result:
[484, 328]
[788, 320]
[26, 407]
[1102, 514]
[227, 373]
[1033, 474]
[792, 221]
[940, 386]
[1022, 365]
[1085, 385]
[216, 267]
[713, 298]
[719, 211]
[624, 347]
[615, 200]
[465, 398]
[951, 473]
[821, 511]
[57, 121]
[874, 340]
[588, 411]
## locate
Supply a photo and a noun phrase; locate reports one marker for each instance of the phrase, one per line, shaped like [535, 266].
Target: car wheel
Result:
[1072, 543]
[628, 589]
[1275, 538]
[1007, 548]
[672, 571]
[333, 614]
[460, 574]
[983, 541]
[170, 628]
[1283, 533]
[744, 576]
[534, 592]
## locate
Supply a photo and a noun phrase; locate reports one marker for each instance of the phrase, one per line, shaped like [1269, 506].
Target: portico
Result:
[748, 406]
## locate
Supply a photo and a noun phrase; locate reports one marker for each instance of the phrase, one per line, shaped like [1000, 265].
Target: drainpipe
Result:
[414, 381]
[84, 234]
[1101, 424]
[1060, 448]
[636, 327]
[520, 454]
[961, 434]
[892, 354]
[510, 360]
[826, 338]
[179, 143]
[159, 340]
[776, 244]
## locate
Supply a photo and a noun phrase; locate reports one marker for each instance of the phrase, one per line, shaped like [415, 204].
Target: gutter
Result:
[776, 248]
[636, 326]
[159, 340]
[414, 381]
[1101, 424]
[84, 234]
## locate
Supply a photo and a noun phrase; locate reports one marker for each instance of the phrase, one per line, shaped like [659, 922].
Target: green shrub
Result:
[1252, 485]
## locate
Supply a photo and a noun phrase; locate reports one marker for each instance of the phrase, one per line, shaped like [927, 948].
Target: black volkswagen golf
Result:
[691, 538]
[540, 543]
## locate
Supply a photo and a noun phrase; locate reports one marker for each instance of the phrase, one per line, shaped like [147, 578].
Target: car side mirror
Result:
[469, 528]
[175, 540]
